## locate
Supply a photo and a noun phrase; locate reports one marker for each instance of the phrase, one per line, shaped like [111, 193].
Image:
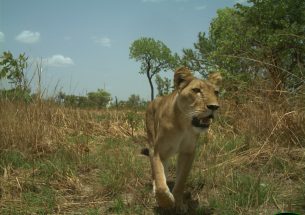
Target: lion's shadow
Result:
[194, 208]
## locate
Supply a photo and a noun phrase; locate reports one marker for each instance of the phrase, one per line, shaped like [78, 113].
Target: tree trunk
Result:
[151, 85]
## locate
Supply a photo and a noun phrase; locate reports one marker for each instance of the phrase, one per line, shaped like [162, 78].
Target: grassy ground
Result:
[56, 160]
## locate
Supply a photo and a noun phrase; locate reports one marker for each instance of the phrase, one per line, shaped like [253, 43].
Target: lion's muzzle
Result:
[203, 122]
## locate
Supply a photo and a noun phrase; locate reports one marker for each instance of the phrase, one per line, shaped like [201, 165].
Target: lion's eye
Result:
[216, 92]
[196, 90]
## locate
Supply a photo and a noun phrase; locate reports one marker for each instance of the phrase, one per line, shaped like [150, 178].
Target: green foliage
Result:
[264, 38]
[199, 59]
[133, 120]
[13, 69]
[154, 56]
[135, 102]
[99, 99]
[17, 94]
[163, 85]
[275, 31]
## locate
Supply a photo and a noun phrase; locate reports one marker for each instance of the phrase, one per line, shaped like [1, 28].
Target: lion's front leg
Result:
[163, 195]
[184, 165]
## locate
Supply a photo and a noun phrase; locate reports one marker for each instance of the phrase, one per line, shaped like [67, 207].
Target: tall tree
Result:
[275, 30]
[134, 100]
[199, 59]
[99, 99]
[261, 38]
[154, 56]
[163, 85]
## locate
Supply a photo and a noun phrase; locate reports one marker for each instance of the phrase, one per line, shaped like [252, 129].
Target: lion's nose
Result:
[213, 107]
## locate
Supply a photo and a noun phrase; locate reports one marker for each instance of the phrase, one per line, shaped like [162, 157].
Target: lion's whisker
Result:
[193, 113]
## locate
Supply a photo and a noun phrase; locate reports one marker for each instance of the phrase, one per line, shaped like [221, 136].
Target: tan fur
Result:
[173, 124]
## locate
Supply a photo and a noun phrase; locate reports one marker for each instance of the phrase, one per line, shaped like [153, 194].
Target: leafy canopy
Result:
[264, 37]
[13, 69]
[153, 55]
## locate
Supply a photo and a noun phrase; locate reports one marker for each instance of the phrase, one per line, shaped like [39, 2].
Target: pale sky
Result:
[84, 44]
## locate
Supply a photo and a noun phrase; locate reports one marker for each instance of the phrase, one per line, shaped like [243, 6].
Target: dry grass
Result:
[60, 160]
[259, 143]
[61, 154]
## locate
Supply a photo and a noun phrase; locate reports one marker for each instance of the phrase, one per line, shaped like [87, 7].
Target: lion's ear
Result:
[182, 77]
[215, 78]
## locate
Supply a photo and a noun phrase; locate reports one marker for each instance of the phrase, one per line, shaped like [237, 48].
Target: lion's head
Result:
[197, 99]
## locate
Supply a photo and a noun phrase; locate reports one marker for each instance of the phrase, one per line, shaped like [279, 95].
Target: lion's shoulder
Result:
[163, 103]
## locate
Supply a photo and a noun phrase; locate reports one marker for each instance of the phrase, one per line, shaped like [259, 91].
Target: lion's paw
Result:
[165, 199]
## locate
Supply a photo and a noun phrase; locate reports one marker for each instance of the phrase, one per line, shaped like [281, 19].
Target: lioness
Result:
[173, 124]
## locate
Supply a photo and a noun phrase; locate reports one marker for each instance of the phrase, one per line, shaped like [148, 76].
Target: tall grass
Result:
[254, 160]
[60, 160]
[47, 151]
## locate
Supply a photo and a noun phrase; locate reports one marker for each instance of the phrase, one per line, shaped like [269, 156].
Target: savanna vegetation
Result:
[81, 154]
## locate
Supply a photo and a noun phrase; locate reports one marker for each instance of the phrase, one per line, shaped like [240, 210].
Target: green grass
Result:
[92, 170]
[121, 167]
[115, 170]
[118, 206]
[14, 159]
[42, 201]
[241, 194]
[93, 211]
[300, 199]
[79, 139]
[38, 200]
[10, 210]
[61, 163]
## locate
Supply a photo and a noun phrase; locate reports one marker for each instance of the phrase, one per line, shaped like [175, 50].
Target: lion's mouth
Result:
[202, 122]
